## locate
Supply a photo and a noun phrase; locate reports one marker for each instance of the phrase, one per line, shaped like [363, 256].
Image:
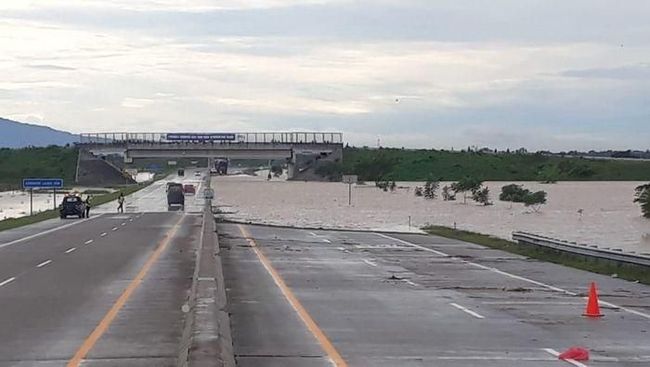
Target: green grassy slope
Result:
[418, 165]
[54, 161]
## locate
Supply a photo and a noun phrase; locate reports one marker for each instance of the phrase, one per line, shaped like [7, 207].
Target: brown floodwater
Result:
[601, 213]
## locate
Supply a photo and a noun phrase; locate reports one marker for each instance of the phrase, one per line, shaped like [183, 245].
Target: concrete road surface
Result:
[105, 291]
[323, 298]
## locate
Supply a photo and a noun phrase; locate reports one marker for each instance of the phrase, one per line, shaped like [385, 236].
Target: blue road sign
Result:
[201, 137]
[42, 183]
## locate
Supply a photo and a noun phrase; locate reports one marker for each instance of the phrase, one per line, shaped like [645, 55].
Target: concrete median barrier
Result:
[207, 340]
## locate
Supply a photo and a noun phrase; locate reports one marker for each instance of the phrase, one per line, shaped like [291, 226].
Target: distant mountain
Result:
[14, 134]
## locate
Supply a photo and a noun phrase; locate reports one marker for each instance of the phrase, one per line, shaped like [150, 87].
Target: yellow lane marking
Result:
[106, 322]
[315, 330]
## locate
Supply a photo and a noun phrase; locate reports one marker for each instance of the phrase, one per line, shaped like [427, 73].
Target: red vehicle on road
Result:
[189, 189]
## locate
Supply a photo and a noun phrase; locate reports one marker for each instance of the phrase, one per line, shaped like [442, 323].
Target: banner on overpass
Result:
[200, 137]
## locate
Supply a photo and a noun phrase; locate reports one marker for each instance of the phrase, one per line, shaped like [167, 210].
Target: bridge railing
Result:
[220, 138]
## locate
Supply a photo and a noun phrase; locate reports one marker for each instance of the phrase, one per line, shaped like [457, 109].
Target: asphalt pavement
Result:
[323, 298]
[110, 290]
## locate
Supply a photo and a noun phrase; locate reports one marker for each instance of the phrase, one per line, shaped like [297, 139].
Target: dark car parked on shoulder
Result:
[72, 205]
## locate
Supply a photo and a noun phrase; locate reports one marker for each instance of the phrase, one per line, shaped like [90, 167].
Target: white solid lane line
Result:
[103, 234]
[370, 263]
[466, 310]
[43, 263]
[70, 250]
[5, 282]
[88, 242]
[513, 276]
[46, 232]
[557, 354]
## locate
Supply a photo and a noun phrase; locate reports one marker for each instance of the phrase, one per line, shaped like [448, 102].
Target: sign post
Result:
[41, 183]
[350, 179]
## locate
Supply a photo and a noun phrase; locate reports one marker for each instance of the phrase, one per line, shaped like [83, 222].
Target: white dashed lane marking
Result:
[467, 310]
[5, 282]
[70, 250]
[513, 276]
[103, 234]
[114, 229]
[43, 263]
[370, 263]
[88, 242]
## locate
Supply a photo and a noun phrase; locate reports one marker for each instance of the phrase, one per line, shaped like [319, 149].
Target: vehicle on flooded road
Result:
[189, 189]
[175, 198]
[171, 184]
[72, 205]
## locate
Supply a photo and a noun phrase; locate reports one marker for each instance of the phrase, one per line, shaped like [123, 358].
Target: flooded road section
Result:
[601, 213]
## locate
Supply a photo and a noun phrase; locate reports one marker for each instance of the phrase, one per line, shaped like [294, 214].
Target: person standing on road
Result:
[87, 203]
[120, 202]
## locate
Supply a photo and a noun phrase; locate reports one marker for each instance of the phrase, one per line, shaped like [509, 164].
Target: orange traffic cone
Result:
[593, 309]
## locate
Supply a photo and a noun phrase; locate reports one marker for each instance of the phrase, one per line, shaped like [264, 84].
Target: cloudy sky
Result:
[544, 74]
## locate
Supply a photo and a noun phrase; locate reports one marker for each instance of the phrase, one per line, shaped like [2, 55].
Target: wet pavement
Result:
[415, 300]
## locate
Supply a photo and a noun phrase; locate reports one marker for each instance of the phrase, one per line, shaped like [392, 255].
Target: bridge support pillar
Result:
[291, 167]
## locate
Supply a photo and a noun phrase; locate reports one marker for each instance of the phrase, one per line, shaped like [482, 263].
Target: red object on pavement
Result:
[593, 309]
[576, 354]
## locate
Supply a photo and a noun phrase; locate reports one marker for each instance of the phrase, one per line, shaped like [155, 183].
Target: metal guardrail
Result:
[581, 249]
[243, 137]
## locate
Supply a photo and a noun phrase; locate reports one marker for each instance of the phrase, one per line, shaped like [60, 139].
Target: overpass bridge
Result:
[299, 149]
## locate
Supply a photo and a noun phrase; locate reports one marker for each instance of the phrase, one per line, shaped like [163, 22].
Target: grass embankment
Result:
[420, 165]
[599, 266]
[50, 214]
[53, 161]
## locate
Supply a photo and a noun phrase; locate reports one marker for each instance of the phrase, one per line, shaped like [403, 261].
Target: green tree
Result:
[375, 167]
[642, 197]
[482, 196]
[513, 193]
[448, 194]
[465, 185]
[430, 189]
[382, 185]
[535, 200]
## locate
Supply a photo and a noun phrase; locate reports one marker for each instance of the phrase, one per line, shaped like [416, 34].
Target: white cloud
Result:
[411, 89]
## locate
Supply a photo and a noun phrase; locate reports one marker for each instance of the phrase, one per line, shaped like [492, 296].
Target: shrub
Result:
[642, 197]
[535, 200]
[514, 193]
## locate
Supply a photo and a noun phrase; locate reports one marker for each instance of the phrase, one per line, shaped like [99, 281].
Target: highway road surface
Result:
[154, 199]
[323, 298]
[104, 291]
